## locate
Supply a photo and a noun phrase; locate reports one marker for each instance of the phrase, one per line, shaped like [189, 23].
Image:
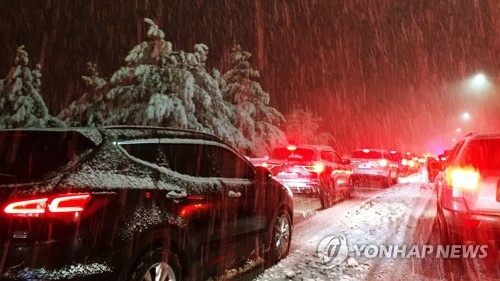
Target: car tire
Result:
[325, 195]
[157, 263]
[386, 182]
[280, 240]
[396, 179]
[323, 199]
[349, 189]
[446, 237]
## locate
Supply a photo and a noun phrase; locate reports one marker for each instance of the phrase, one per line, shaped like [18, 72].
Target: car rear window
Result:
[360, 154]
[396, 157]
[299, 154]
[28, 156]
[483, 154]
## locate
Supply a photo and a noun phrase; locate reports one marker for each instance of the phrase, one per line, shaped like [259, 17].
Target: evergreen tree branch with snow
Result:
[163, 87]
[91, 109]
[303, 128]
[21, 104]
[255, 118]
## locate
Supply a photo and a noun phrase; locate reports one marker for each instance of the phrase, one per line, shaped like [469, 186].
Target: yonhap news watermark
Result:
[335, 249]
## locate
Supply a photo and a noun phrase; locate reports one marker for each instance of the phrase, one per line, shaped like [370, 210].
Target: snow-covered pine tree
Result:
[303, 128]
[91, 109]
[163, 87]
[257, 121]
[21, 104]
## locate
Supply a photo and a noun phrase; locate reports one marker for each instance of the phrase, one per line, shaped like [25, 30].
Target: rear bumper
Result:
[49, 261]
[370, 172]
[473, 227]
[367, 177]
[300, 186]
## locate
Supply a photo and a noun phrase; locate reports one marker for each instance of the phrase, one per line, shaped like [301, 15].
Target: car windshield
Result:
[363, 154]
[482, 154]
[28, 156]
[299, 154]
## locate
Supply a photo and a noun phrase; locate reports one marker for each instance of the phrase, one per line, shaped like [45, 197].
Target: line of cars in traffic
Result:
[319, 170]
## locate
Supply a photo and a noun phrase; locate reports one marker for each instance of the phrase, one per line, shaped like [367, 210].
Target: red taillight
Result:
[464, 178]
[48, 206]
[265, 165]
[318, 167]
[32, 207]
[69, 204]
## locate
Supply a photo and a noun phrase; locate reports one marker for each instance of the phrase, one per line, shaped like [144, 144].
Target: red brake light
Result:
[265, 165]
[40, 207]
[318, 167]
[27, 207]
[464, 178]
[69, 204]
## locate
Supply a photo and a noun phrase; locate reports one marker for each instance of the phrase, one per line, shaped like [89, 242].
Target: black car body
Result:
[312, 170]
[118, 203]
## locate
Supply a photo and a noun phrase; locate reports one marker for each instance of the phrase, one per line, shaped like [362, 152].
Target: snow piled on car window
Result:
[68, 272]
[92, 134]
[111, 168]
[135, 132]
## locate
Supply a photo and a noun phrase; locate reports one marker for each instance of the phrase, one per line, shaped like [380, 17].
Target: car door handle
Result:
[234, 194]
[176, 195]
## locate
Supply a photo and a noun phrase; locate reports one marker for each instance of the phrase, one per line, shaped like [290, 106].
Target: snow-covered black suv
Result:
[134, 203]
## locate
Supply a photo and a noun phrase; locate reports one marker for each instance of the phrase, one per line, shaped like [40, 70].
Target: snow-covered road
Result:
[401, 215]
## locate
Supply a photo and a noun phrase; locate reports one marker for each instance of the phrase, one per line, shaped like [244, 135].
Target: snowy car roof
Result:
[312, 146]
[135, 132]
[91, 133]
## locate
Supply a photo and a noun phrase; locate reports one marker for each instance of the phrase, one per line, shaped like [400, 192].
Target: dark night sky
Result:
[380, 73]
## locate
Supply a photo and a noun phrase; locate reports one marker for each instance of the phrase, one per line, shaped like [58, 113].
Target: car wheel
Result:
[280, 240]
[157, 264]
[323, 199]
[325, 196]
[386, 182]
[349, 189]
[395, 179]
[332, 193]
[446, 237]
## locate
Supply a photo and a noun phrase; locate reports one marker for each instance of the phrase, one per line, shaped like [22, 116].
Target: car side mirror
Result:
[262, 174]
[433, 167]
